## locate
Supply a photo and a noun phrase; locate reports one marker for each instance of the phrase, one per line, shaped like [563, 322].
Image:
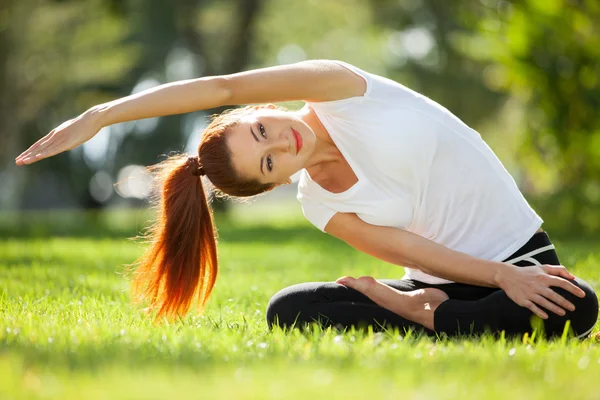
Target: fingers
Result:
[30, 158]
[548, 305]
[23, 158]
[568, 286]
[41, 150]
[558, 270]
[49, 152]
[558, 299]
[536, 310]
[57, 141]
[35, 152]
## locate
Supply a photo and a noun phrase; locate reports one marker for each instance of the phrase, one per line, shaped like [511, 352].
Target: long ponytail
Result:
[180, 266]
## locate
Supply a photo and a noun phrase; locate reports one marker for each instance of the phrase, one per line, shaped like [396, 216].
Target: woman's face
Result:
[270, 145]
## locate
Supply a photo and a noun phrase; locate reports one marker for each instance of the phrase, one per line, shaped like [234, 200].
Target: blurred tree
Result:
[545, 53]
[535, 58]
[234, 54]
[168, 34]
[9, 125]
[59, 58]
[473, 56]
[39, 89]
[422, 54]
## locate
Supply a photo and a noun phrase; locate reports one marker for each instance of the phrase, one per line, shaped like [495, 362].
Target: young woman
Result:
[385, 169]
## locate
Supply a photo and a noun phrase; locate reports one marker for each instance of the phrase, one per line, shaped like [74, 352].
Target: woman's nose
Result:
[280, 144]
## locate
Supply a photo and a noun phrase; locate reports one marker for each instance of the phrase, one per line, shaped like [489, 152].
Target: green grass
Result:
[69, 331]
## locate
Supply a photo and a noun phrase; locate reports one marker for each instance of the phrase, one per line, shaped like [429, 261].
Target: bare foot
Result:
[417, 305]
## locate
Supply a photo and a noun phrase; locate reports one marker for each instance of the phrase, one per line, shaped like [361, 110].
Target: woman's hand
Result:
[530, 287]
[66, 136]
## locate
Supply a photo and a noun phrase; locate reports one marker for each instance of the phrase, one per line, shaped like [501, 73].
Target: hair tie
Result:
[195, 168]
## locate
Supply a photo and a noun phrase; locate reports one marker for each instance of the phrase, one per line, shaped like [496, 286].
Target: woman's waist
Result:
[538, 250]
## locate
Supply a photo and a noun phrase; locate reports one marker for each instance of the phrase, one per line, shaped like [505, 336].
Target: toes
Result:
[345, 280]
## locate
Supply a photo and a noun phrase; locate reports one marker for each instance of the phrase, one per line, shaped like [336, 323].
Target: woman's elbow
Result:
[224, 93]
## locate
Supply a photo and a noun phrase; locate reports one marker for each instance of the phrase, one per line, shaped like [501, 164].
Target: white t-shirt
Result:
[420, 169]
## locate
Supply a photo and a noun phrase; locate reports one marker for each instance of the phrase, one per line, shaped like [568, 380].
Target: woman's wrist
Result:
[98, 115]
[501, 273]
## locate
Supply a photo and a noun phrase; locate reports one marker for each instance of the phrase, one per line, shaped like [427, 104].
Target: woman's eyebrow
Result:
[253, 135]
[261, 158]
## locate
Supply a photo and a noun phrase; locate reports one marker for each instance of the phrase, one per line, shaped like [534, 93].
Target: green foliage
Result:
[523, 73]
[69, 331]
[545, 54]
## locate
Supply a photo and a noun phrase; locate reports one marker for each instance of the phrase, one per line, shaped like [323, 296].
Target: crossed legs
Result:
[468, 310]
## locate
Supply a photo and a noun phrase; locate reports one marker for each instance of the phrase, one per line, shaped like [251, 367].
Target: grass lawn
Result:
[69, 331]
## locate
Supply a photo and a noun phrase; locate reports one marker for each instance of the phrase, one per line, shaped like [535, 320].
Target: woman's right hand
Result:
[530, 287]
[66, 136]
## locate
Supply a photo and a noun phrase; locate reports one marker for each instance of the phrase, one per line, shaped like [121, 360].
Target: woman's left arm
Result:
[525, 286]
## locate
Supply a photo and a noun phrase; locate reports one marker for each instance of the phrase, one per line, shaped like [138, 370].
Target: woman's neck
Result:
[325, 150]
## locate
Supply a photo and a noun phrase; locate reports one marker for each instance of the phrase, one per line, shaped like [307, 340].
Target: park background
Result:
[523, 73]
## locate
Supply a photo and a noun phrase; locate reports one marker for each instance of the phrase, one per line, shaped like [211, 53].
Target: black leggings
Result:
[469, 309]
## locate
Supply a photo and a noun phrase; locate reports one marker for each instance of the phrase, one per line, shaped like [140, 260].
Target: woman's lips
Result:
[298, 140]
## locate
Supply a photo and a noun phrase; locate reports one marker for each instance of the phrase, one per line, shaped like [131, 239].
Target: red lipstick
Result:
[298, 140]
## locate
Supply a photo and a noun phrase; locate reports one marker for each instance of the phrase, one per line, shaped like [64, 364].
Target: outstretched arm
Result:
[318, 80]
[527, 286]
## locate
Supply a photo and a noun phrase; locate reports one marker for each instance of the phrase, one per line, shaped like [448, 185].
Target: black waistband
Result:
[540, 239]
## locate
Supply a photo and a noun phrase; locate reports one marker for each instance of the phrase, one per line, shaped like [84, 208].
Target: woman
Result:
[385, 169]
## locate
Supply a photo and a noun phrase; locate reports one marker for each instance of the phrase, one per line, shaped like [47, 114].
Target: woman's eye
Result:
[269, 163]
[261, 129]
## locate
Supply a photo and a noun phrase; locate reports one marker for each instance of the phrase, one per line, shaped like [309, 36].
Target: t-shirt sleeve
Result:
[334, 106]
[363, 74]
[316, 213]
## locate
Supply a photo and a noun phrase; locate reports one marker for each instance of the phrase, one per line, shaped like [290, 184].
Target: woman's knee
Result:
[586, 310]
[286, 306]
[299, 304]
[585, 315]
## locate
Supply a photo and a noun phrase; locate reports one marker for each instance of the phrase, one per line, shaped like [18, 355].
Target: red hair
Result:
[179, 269]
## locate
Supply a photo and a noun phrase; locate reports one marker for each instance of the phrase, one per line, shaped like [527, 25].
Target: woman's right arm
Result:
[318, 80]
